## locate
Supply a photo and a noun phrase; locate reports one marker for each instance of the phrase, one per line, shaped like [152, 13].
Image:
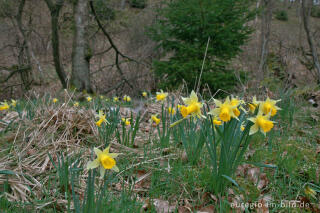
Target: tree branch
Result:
[121, 83]
[14, 71]
[114, 47]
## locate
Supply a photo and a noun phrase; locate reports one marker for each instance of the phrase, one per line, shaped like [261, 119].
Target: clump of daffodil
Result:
[269, 106]
[254, 104]
[55, 100]
[154, 119]
[76, 104]
[261, 122]
[13, 103]
[102, 118]
[4, 106]
[225, 111]
[171, 110]
[126, 121]
[309, 191]
[104, 160]
[193, 107]
[161, 96]
[126, 98]
[144, 94]
[89, 99]
[115, 99]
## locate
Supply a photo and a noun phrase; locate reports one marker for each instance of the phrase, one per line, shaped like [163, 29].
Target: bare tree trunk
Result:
[80, 77]
[257, 7]
[123, 3]
[55, 12]
[265, 34]
[305, 16]
[24, 59]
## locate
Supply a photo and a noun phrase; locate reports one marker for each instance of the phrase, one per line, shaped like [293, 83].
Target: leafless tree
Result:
[265, 35]
[306, 8]
[24, 58]
[81, 54]
[55, 8]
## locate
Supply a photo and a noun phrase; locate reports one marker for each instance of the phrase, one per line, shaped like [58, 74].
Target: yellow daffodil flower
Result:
[55, 100]
[269, 105]
[225, 111]
[104, 160]
[13, 103]
[237, 103]
[89, 99]
[101, 97]
[126, 121]
[161, 96]
[254, 104]
[242, 126]
[193, 107]
[155, 119]
[309, 191]
[144, 94]
[102, 118]
[216, 121]
[171, 110]
[76, 104]
[4, 106]
[115, 99]
[126, 98]
[261, 122]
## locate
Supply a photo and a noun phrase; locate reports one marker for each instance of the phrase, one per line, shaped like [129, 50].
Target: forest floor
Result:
[46, 145]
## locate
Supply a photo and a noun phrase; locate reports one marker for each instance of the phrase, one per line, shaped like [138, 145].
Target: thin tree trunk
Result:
[55, 12]
[257, 7]
[123, 4]
[265, 34]
[24, 58]
[80, 77]
[305, 17]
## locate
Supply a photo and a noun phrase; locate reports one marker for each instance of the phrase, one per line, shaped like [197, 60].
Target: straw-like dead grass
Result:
[53, 130]
[56, 129]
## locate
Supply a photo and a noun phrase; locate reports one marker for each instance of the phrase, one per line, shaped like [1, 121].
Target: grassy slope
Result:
[154, 174]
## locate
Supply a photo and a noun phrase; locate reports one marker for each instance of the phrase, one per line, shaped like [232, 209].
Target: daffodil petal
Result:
[215, 112]
[217, 102]
[93, 164]
[193, 97]
[102, 171]
[97, 151]
[106, 150]
[252, 119]
[113, 155]
[254, 129]
[115, 168]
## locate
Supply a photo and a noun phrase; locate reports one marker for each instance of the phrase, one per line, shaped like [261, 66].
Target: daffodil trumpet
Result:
[185, 111]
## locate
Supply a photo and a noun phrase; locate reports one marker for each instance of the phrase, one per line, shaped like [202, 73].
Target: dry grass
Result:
[53, 130]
